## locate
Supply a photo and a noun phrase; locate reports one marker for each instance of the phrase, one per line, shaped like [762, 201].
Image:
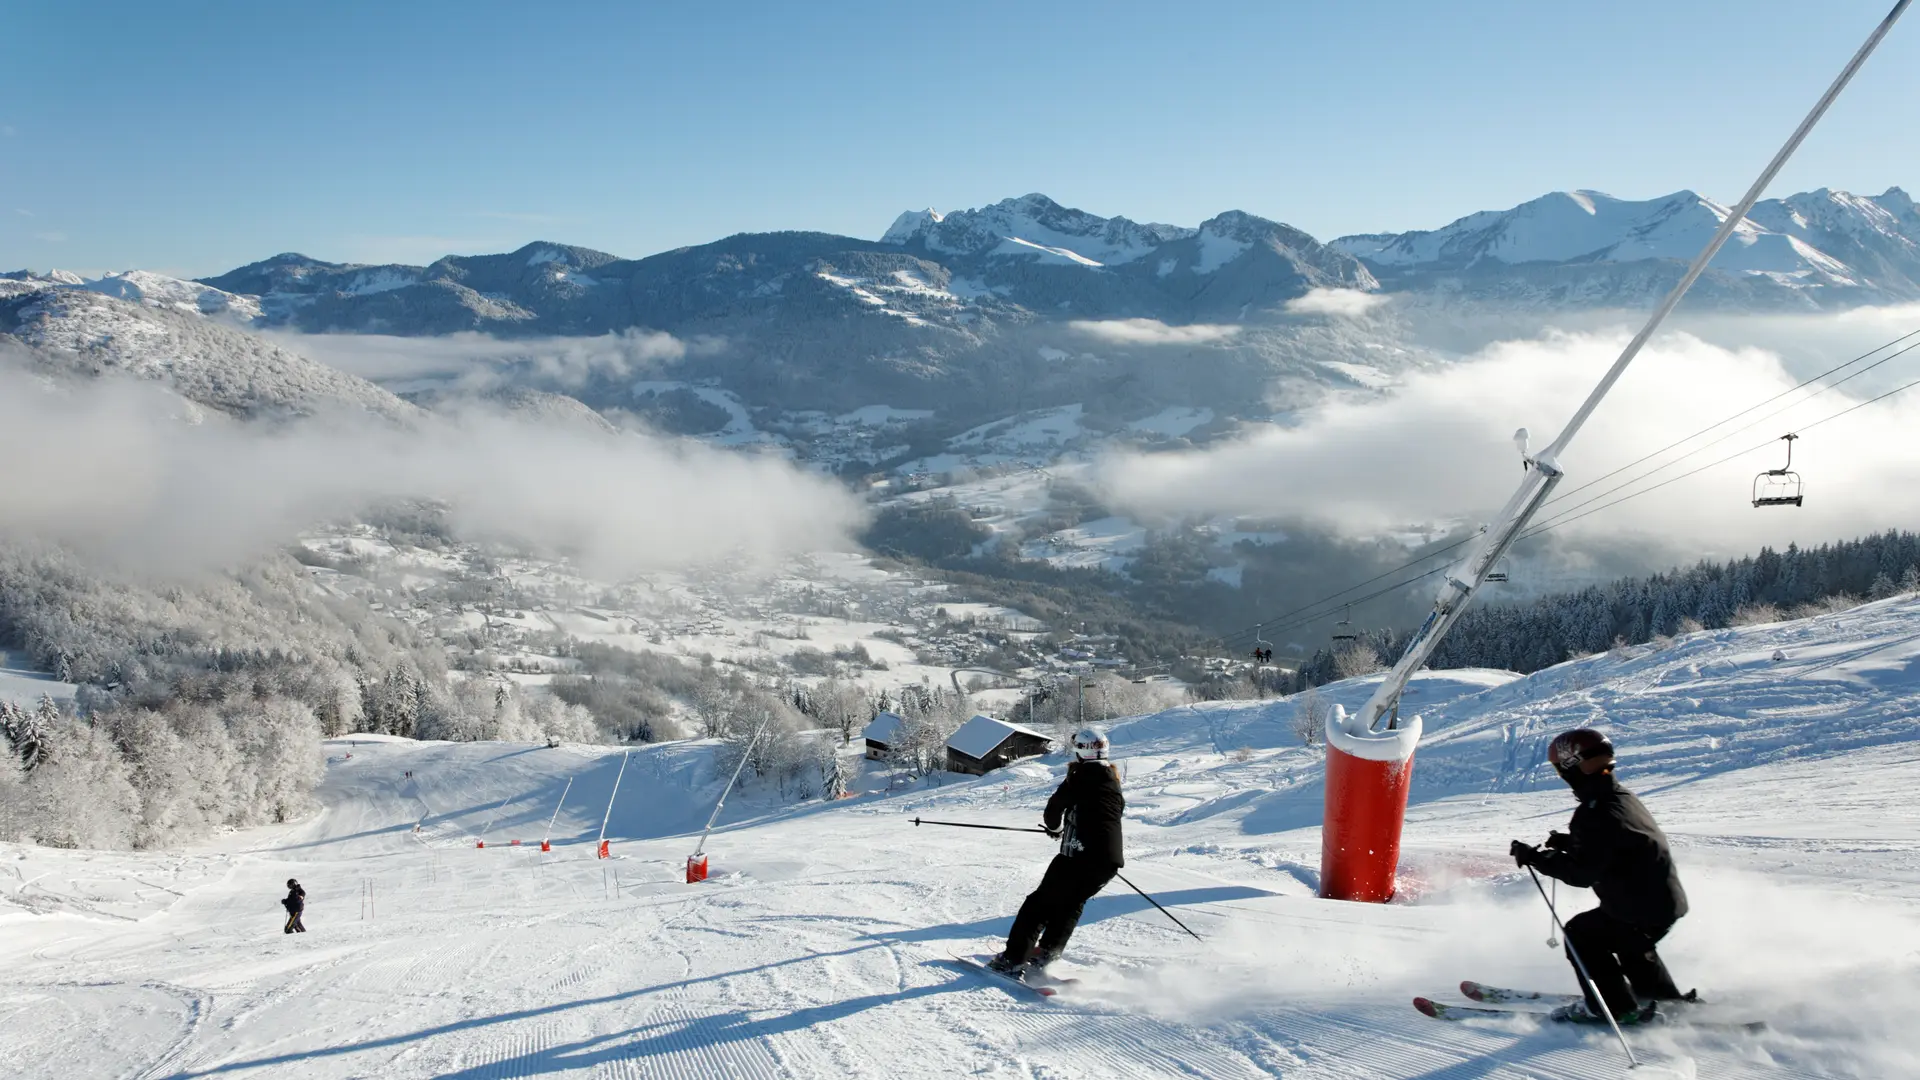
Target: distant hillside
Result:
[73, 332]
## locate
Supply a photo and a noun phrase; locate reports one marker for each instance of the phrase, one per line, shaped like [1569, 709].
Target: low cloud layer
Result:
[112, 468]
[1339, 303]
[1152, 332]
[473, 361]
[1439, 449]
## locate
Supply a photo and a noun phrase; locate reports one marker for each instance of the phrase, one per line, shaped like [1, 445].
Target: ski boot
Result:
[1578, 1013]
[1007, 964]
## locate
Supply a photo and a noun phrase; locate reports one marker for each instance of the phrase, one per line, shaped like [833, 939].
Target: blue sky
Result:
[194, 138]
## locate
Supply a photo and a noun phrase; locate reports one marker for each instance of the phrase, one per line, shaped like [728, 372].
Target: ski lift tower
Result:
[1370, 754]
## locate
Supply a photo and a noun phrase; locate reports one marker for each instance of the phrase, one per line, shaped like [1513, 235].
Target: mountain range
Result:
[1023, 303]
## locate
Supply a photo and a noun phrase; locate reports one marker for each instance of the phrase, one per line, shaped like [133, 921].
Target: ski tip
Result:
[1427, 1006]
[1470, 989]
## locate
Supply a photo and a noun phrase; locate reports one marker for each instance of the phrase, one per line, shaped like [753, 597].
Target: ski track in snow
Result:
[819, 947]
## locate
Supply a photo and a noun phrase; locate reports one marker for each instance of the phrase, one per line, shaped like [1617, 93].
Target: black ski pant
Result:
[1621, 959]
[1053, 910]
[294, 925]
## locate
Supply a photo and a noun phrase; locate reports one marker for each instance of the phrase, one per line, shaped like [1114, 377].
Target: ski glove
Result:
[1524, 854]
[1559, 841]
[1055, 833]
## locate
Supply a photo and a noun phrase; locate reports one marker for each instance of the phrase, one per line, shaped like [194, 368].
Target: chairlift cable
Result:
[1563, 496]
[1564, 520]
[1723, 438]
[1236, 635]
[1297, 616]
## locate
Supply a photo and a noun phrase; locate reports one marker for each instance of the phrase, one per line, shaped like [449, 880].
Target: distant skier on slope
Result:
[1084, 812]
[1613, 846]
[296, 903]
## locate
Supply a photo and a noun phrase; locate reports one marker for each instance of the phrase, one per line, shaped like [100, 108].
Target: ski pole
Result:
[1163, 911]
[966, 825]
[1585, 978]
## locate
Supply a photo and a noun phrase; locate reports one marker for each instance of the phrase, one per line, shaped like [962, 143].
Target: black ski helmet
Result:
[1570, 748]
[292, 884]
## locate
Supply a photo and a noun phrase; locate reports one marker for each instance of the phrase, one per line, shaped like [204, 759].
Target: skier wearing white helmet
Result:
[1084, 812]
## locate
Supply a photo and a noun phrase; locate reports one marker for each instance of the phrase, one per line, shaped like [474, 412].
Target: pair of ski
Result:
[1037, 983]
[1497, 1003]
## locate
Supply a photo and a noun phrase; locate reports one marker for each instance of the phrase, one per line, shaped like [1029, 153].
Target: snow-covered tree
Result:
[1310, 716]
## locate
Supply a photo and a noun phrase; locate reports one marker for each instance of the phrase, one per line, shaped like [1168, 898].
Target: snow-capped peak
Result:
[1777, 240]
[911, 224]
[1033, 225]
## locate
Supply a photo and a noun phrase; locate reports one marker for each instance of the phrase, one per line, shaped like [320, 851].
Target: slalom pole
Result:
[965, 825]
[1586, 979]
[601, 843]
[488, 827]
[545, 840]
[1163, 910]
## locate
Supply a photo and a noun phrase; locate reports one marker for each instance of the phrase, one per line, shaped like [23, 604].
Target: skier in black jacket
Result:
[296, 903]
[1613, 846]
[1084, 812]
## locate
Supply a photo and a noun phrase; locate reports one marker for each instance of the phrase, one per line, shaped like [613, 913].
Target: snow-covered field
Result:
[819, 948]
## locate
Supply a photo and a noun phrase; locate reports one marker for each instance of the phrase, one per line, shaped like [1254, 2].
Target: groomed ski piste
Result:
[821, 945]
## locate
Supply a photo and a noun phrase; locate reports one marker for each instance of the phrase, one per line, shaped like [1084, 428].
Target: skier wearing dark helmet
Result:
[1084, 812]
[1613, 846]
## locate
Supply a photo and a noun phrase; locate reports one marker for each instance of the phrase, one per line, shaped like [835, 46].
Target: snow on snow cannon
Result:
[1368, 774]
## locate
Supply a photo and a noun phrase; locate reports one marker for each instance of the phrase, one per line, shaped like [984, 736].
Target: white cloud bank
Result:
[1338, 303]
[110, 468]
[475, 361]
[1439, 449]
[1152, 332]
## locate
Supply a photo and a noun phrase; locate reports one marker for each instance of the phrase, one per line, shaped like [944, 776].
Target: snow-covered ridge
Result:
[174, 294]
[81, 331]
[1033, 225]
[140, 287]
[1787, 239]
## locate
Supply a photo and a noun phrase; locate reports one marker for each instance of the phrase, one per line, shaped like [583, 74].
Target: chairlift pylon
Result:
[1782, 486]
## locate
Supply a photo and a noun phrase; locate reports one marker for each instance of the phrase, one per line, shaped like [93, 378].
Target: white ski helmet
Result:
[1090, 743]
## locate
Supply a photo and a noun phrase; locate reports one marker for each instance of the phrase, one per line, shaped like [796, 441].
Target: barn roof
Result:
[981, 735]
[883, 728]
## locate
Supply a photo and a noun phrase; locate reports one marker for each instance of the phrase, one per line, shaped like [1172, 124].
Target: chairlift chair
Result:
[1261, 645]
[1343, 630]
[1499, 571]
[1779, 487]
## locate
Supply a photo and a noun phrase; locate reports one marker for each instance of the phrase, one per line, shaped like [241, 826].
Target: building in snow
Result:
[880, 734]
[983, 744]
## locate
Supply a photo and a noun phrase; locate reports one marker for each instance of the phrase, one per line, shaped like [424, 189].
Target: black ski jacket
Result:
[1086, 809]
[1614, 847]
[296, 900]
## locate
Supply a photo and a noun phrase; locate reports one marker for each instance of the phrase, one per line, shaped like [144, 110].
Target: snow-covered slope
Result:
[820, 946]
[161, 291]
[77, 332]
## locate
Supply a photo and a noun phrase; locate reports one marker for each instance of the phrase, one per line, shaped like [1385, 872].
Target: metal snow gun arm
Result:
[1543, 475]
